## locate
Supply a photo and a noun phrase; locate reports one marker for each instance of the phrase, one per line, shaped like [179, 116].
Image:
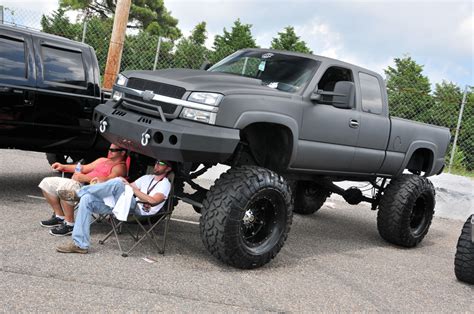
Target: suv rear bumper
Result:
[177, 140]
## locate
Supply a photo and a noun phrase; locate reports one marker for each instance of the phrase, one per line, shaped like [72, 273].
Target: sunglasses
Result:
[161, 163]
[114, 150]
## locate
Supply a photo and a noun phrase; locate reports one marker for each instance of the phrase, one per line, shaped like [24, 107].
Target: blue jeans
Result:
[92, 201]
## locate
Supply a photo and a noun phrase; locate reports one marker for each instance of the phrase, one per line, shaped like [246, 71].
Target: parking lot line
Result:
[186, 221]
[36, 197]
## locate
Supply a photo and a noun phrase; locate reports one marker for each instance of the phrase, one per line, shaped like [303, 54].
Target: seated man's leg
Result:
[67, 208]
[114, 187]
[91, 201]
[49, 187]
[66, 228]
[81, 234]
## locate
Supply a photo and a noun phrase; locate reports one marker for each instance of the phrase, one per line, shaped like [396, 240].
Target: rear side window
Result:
[63, 66]
[371, 93]
[12, 58]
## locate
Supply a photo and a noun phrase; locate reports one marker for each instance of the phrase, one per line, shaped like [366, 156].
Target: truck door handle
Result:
[4, 89]
[353, 123]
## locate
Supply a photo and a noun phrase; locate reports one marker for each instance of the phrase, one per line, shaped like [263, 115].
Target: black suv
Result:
[49, 87]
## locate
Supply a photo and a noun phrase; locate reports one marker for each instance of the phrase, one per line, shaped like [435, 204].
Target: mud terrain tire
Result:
[406, 210]
[246, 216]
[309, 197]
[464, 260]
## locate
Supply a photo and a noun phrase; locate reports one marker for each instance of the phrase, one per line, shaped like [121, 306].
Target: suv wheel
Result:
[406, 210]
[309, 197]
[246, 216]
[464, 260]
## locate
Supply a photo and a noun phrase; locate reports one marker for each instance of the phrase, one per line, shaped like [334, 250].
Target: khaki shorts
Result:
[52, 185]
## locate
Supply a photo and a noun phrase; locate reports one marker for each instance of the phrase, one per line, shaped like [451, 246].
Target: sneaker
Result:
[68, 195]
[52, 222]
[71, 248]
[63, 230]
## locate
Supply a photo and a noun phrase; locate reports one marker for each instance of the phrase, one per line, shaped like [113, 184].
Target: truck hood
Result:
[198, 80]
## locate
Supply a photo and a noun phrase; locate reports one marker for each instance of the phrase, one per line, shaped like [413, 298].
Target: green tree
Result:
[58, 24]
[408, 89]
[445, 106]
[288, 40]
[149, 15]
[238, 38]
[191, 52]
[139, 52]
[98, 36]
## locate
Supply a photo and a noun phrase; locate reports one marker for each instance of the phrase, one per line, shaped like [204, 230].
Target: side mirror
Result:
[342, 97]
[205, 65]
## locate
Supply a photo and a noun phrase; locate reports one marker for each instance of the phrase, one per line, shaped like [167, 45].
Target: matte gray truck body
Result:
[286, 127]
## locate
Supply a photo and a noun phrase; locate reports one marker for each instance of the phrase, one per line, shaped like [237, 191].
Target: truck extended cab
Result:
[289, 125]
[49, 87]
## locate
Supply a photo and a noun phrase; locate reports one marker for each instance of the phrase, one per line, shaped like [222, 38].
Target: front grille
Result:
[150, 107]
[156, 87]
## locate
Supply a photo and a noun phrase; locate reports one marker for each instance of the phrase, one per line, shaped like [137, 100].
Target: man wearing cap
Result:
[150, 193]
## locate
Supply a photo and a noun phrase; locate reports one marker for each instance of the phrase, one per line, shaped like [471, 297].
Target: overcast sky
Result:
[437, 34]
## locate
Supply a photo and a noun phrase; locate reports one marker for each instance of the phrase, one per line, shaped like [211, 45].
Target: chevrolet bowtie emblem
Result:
[148, 95]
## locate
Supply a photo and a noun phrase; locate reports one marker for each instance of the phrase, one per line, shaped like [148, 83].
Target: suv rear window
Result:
[63, 66]
[12, 58]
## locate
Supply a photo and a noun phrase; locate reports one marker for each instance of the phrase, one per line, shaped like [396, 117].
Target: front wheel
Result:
[246, 216]
[406, 210]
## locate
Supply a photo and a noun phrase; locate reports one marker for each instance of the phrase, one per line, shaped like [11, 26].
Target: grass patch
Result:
[461, 172]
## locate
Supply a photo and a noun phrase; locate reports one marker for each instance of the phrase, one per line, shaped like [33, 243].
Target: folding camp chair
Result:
[144, 223]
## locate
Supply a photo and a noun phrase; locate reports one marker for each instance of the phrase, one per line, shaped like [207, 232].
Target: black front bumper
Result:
[177, 140]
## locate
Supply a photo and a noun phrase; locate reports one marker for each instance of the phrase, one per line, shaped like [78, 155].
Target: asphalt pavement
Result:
[332, 261]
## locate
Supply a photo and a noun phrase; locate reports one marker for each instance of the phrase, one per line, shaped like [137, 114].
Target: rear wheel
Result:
[406, 210]
[464, 260]
[246, 217]
[309, 197]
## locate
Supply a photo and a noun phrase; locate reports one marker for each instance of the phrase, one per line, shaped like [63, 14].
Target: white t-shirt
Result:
[148, 185]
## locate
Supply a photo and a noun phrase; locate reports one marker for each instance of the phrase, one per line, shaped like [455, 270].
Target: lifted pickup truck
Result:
[289, 125]
[49, 86]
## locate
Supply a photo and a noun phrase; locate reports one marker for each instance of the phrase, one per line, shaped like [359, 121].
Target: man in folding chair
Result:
[100, 170]
[148, 189]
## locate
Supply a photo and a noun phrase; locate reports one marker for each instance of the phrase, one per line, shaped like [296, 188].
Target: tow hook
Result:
[103, 125]
[145, 138]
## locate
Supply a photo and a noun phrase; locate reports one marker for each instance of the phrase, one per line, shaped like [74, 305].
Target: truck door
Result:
[374, 125]
[328, 134]
[17, 83]
[65, 95]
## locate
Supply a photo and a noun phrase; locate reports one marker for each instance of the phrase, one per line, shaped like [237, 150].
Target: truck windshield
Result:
[279, 71]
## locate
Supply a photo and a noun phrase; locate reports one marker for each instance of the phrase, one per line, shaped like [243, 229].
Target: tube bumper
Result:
[178, 140]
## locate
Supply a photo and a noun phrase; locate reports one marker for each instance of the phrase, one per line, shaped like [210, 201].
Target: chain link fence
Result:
[446, 104]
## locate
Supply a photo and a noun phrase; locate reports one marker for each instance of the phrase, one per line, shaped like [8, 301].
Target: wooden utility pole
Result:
[116, 42]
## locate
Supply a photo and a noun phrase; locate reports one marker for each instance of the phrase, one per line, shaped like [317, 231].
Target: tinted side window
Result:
[12, 58]
[63, 66]
[332, 76]
[371, 93]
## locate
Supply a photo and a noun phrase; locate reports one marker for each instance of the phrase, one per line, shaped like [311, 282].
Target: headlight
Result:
[116, 95]
[198, 115]
[121, 80]
[211, 99]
